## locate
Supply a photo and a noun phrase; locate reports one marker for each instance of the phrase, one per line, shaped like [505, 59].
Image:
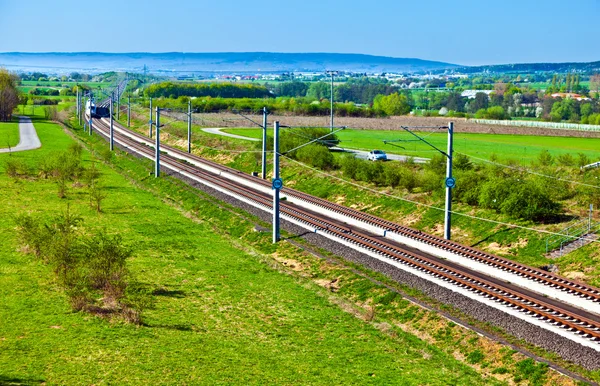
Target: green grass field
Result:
[9, 133]
[222, 315]
[522, 148]
[545, 85]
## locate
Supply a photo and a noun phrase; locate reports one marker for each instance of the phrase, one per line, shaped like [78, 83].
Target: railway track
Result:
[570, 321]
[578, 294]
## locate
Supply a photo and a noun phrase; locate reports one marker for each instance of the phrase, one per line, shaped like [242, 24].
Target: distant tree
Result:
[595, 83]
[480, 102]
[455, 102]
[291, 89]
[500, 88]
[319, 90]
[9, 94]
[393, 104]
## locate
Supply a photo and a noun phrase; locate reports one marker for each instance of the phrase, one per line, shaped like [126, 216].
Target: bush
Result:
[372, 172]
[409, 179]
[528, 369]
[545, 158]
[350, 166]
[582, 160]
[32, 235]
[566, 160]
[495, 191]
[431, 182]
[316, 155]
[62, 167]
[16, 167]
[437, 164]
[468, 187]
[91, 269]
[475, 357]
[461, 162]
[529, 201]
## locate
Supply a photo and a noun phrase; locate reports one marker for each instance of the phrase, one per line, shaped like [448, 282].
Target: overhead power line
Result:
[431, 206]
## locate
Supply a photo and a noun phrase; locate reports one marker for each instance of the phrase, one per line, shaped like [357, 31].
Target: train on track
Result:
[96, 111]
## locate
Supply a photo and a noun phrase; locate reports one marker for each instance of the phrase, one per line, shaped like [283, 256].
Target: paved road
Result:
[218, 131]
[28, 138]
[357, 153]
[391, 157]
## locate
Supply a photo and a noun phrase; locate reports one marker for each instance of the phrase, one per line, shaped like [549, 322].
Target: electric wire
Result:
[432, 206]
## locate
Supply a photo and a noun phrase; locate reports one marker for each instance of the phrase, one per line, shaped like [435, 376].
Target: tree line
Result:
[215, 90]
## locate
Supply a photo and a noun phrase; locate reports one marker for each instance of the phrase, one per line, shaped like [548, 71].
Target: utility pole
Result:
[332, 73]
[112, 143]
[91, 99]
[118, 103]
[150, 121]
[264, 145]
[277, 184]
[128, 110]
[157, 146]
[450, 182]
[77, 104]
[189, 114]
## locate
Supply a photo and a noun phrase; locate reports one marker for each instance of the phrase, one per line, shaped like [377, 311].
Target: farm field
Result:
[544, 85]
[216, 318]
[522, 148]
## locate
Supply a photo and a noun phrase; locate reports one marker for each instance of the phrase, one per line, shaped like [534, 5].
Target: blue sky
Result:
[463, 32]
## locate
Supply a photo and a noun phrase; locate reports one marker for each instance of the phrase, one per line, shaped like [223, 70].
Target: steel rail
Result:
[476, 283]
[554, 281]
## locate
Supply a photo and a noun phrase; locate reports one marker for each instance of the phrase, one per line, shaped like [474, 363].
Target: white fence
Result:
[545, 125]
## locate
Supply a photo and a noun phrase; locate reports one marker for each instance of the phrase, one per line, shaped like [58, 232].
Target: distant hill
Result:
[533, 67]
[242, 62]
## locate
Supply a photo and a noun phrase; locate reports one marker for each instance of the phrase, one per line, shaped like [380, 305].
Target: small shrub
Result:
[409, 179]
[97, 195]
[545, 158]
[316, 155]
[31, 233]
[16, 167]
[350, 166]
[106, 154]
[528, 369]
[92, 269]
[462, 162]
[475, 357]
[566, 159]
[582, 160]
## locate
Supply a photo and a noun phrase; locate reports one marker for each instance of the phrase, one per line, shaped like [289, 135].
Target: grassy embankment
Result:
[223, 313]
[174, 131]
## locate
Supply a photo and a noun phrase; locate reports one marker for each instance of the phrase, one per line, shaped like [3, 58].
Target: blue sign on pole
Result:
[277, 183]
[450, 182]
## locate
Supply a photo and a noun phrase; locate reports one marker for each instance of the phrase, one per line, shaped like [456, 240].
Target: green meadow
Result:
[522, 148]
[9, 133]
[222, 314]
